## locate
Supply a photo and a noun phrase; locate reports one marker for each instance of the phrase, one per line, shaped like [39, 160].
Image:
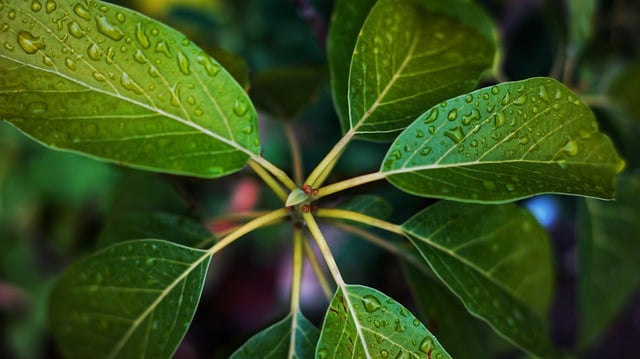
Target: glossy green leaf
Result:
[463, 335]
[497, 260]
[362, 322]
[276, 341]
[409, 56]
[105, 81]
[373, 206]
[135, 299]
[284, 92]
[609, 257]
[165, 226]
[234, 64]
[503, 143]
[346, 22]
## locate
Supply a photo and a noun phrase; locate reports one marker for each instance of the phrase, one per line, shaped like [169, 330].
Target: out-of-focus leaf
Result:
[624, 90]
[276, 341]
[284, 92]
[234, 64]
[581, 21]
[373, 206]
[409, 56]
[169, 227]
[134, 299]
[609, 257]
[506, 142]
[362, 322]
[497, 260]
[121, 87]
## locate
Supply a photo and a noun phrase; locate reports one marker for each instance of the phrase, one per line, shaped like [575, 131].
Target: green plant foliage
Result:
[407, 58]
[502, 143]
[285, 339]
[362, 322]
[373, 206]
[609, 257]
[122, 87]
[581, 19]
[135, 299]
[497, 260]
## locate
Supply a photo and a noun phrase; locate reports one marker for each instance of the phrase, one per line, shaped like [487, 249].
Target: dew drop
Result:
[108, 29]
[248, 130]
[489, 185]
[29, 43]
[75, 30]
[468, 98]
[543, 94]
[419, 134]
[426, 345]
[129, 84]
[524, 140]
[398, 327]
[120, 17]
[323, 353]
[94, 52]
[215, 170]
[111, 53]
[12, 15]
[521, 100]
[139, 57]
[500, 119]
[153, 71]
[99, 77]
[183, 63]
[163, 48]
[571, 148]
[396, 154]
[384, 353]
[36, 6]
[455, 134]
[9, 46]
[453, 114]
[506, 98]
[510, 187]
[425, 151]
[432, 129]
[141, 36]
[1, 5]
[48, 61]
[209, 66]
[495, 90]
[70, 64]
[371, 303]
[416, 323]
[82, 11]
[240, 107]
[474, 115]
[51, 6]
[433, 115]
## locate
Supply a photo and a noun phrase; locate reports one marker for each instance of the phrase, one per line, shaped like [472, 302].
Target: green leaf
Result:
[463, 335]
[105, 81]
[275, 341]
[296, 197]
[284, 92]
[503, 143]
[581, 21]
[135, 299]
[346, 22]
[171, 227]
[624, 88]
[497, 260]
[369, 205]
[234, 64]
[609, 257]
[362, 322]
[411, 55]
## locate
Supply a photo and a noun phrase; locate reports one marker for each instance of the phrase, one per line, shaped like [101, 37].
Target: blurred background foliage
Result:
[56, 207]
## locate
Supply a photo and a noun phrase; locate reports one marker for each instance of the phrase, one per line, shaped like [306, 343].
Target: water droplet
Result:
[76, 30]
[426, 345]
[111, 53]
[384, 353]
[51, 6]
[209, 66]
[453, 114]
[474, 115]
[82, 11]
[153, 71]
[544, 95]
[48, 61]
[240, 107]
[570, 148]
[425, 151]
[36, 6]
[419, 134]
[141, 36]
[139, 57]
[455, 134]
[500, 119]
[416, 323]
[215, 170]
[432, 129]
[433, 115]
[12, 15]
[99, 76]
[398, 327]
[183, 63]
[29, 43]
[468, 98]
[489, 185]
[506, 98]
[323, 353]
[129, 84]
[9, 46]
[108, 29]
[495, 90]
[521, 100]
[70, 64]
[524, 140]
[95, 52]
[120, 17]
[371, 303]
[248, 130]
[510, 187]
[163, 48]
[396, 154]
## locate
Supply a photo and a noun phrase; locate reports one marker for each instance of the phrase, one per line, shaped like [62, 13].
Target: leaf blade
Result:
[122, 77]
[103, 308]
[475, 259]
[471, 149]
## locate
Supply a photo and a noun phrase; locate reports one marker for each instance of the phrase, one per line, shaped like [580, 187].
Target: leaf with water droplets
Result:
[285, 339]
[134, 299]
[608, 257]
[521, 139]
[363, 322]
[102, 80]
[410, 55]
[497, 260]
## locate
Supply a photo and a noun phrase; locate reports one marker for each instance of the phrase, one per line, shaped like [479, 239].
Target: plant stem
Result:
[275, 171]
[296, 154]
[359, 217]
[323, 169]
[349, 183]
[322, 278]
[269, 181]
[268, 219]
[315, 231]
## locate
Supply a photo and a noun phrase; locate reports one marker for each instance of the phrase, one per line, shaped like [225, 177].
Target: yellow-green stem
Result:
[269, 180]
[349, 183]
[296, 282]
[296, 154]
[275, 171]
[322, 278]
[323, 169]
[359, 217]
